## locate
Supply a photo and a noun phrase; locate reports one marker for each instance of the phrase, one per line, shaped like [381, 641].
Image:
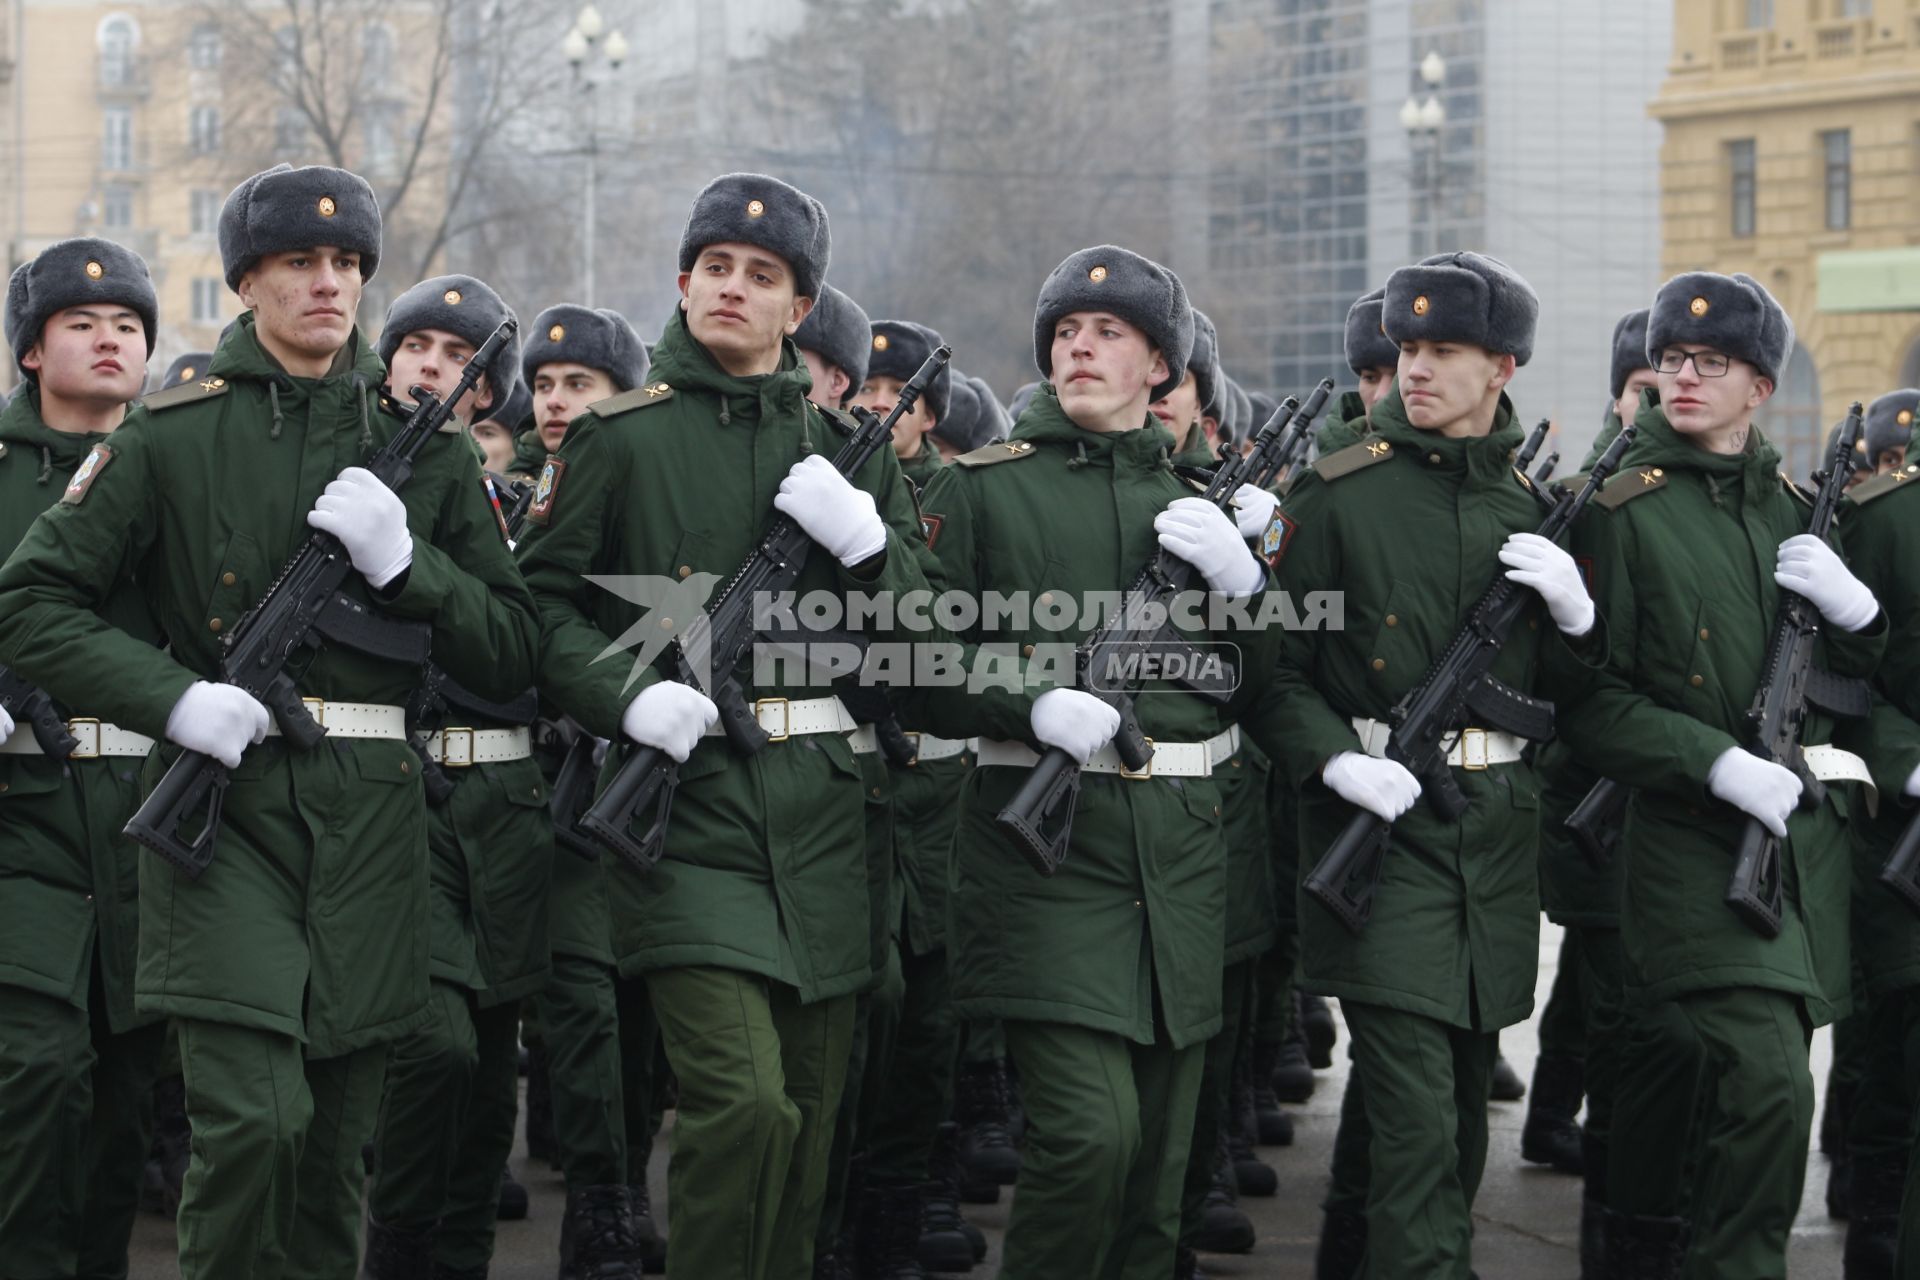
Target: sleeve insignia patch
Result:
[546, 490]
[96, 462]
[1273, 543]
[930, 526]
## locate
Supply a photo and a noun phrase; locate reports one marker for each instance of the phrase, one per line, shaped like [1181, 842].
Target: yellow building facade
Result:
[133, 120]
[1792, 153]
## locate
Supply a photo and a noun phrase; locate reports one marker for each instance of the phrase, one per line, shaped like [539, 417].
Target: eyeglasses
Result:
[1707, 364]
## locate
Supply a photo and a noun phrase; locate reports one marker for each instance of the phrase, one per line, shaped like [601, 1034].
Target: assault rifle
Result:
[1789, 685]
[302, 610]
[1038, 820]
[1458, 687]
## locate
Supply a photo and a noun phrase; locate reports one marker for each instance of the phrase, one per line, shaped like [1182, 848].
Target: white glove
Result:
[1912, 788]
[1536, 562]
[1757, 787]
[834, 513]
[1253, 510]
[1077, 723]
[370, 520]
[671, 716]
[1816, 571]
[1202, 535]
[1383, 787]
[218, 720]
[6, 726]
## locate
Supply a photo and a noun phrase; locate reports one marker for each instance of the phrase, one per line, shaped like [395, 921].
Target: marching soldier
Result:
[1108, 973]
[292, 961]
[76, 1059]
[447, 1115]
[1689, 547]
[597, 1027]
[1449, 956]
[499, 425]
[835, 340]
[1889, 432]
[1883, 1232]
[746, 929]
[186, 367]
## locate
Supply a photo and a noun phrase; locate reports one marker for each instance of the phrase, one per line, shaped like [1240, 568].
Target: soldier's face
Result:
[1103, 368]
[878, 395]
[1890, 460]
[1444, 384]
[1179, 409]
[561, 393]
[435, 359]
[1697, 405]
[304, 301]
[1629, 402]
[496, 442]
[830, 381]
[740, 302]
[1374, 384]
[96, 355]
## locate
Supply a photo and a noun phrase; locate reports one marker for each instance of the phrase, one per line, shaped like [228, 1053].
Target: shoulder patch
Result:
[1629, 485]
[89, 470]
[1003, 451]
[547, 490]
[185, 393]
[638, 398]
[1355, 457]
[1866, 491]
[930, 527]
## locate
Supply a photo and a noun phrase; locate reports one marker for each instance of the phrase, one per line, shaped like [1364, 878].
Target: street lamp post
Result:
[1423, 122]
[580, 42]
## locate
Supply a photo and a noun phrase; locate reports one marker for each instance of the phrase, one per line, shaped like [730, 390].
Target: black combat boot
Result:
[653, 1245]
[597, 1241]
[1223, 1227]
[1292, 1073]
[541, 1144]
[397, 1253]
[1645, 1248]
[1275, 1126]
[512, 1205]
[1505, 1085]
[940, 1205]
[1186, 1265]
[1873, 1216]
[1551, 1136]
[1254, 1176]
[1316, 1023]
[1343, 1246]
[890, 1233]
[988, 1157]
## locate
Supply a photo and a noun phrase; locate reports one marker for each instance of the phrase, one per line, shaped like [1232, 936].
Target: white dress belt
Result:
[1170, 759]
[927, 747]
[785, 718]
[457, 748]
[95, 737]
[1472, 749]
[1830, 764]
[353, 719]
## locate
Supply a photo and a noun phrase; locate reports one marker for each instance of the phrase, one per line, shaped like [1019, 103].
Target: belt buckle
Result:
[75, 727]
[446, 748]
[785, 717]
[1144, 773]
[317, 708]
[1472, 740]
[913, 736]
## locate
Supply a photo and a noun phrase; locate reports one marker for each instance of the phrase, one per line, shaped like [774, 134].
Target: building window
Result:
[1837, 147]
[204, 212]
[289, 131]
[116, 143]
[116, 208]
[1759, 14]
[203, 130]
[1740, 160]
[117, 39]
[203, 48]
[1853, 8]
[206, 300]
[377, 132]
[376, 57]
